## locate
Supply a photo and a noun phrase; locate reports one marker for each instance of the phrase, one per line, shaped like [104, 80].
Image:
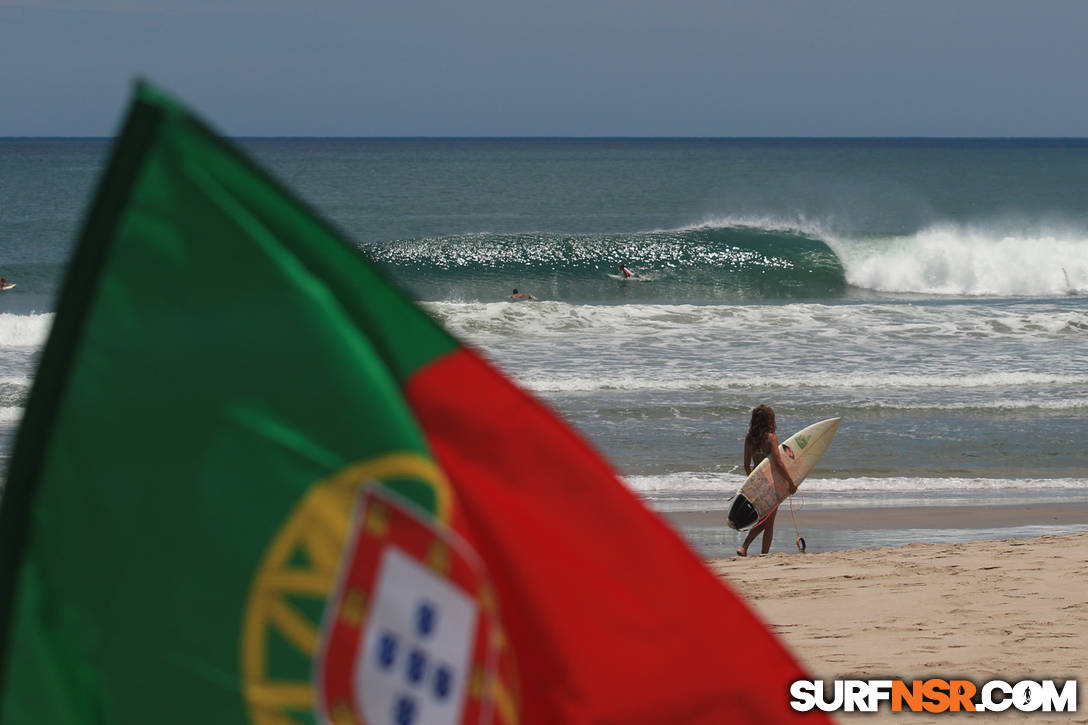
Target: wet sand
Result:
[913, 517]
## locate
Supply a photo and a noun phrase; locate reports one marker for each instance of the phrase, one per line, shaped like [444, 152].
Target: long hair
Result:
[762, 424]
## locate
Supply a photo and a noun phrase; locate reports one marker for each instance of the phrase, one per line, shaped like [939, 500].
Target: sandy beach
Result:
[1009, 609]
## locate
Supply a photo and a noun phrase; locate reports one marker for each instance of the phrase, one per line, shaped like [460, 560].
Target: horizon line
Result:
[581, 138]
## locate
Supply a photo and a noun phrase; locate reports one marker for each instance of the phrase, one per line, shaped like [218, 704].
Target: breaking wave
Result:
[740, 260]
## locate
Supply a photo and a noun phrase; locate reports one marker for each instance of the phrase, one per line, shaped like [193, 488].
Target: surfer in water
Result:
[761, 442]
[627, 274]
[521, 296]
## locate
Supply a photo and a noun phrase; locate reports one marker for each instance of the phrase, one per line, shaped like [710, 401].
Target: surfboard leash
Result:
[800, 539]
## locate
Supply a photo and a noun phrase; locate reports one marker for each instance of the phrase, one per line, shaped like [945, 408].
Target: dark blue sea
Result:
[933, 293]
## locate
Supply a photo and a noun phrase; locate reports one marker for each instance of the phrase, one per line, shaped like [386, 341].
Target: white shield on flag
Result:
[410, 634]
[414, 666]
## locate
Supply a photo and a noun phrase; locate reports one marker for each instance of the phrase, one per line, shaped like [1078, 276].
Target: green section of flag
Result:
[217, 349]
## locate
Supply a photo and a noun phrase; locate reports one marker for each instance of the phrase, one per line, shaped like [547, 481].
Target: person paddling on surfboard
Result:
[521, 296]
[761, 442]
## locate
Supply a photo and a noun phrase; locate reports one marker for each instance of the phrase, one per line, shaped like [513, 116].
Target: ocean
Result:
[933, 293]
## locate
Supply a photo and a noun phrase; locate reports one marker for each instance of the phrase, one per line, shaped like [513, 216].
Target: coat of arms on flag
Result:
[410, 635]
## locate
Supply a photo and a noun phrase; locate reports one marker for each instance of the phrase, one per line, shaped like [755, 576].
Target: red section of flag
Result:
[611, 617]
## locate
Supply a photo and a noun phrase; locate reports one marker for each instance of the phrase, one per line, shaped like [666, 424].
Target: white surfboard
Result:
[640, 278]
[765, 488]
[6, 287]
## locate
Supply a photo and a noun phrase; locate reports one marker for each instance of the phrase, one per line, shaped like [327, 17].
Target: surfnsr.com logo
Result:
[934, 696]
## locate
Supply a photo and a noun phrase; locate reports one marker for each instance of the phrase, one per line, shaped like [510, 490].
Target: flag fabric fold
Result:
[256, 483]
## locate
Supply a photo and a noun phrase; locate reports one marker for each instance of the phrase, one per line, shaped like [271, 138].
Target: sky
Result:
[553, 67]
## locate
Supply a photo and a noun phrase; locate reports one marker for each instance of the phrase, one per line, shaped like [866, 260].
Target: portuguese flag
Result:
[256, 484]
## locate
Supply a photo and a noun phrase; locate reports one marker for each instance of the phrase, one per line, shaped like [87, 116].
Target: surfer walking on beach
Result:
[761, 442]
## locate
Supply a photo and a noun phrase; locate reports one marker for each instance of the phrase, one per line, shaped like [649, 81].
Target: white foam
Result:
[650, 323]
[727, 483]
[10, 415]
[22, 381]
[687, 482]
[955, 485]
[666, 380]
[24, 330]
[1067, 404]
[950, 259]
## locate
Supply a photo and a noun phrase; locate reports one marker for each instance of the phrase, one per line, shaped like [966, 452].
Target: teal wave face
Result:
[686, 266]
